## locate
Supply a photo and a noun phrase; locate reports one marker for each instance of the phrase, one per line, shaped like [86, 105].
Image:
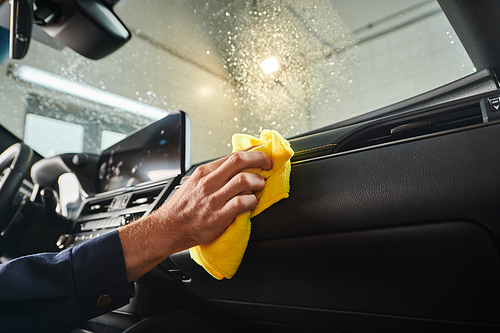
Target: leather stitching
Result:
[316, 148]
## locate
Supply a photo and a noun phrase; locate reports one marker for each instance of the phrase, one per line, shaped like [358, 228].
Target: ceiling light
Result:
[270, 65]
[56, 83]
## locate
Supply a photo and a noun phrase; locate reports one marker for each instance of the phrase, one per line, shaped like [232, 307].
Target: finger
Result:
[208, 168]
[238, 162]
[239, 204]
[212, 166]
[242, 183]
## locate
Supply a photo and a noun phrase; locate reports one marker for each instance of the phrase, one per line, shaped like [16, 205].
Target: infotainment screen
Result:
[158, 151]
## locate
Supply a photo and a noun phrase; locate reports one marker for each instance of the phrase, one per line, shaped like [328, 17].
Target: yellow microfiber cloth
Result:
[222, 257]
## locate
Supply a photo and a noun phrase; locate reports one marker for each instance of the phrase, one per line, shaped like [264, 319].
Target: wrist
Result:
[143, 245]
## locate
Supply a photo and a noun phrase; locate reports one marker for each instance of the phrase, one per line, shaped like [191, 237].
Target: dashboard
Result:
[133, 177]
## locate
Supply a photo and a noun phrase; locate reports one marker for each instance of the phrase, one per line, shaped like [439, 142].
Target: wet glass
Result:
[233, 66]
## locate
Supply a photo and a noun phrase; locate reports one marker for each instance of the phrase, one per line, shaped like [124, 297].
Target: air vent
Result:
[409, 128]
[144, 198]
[96, 207]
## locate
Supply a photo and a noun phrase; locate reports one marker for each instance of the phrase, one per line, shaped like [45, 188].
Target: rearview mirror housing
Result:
[89, 27]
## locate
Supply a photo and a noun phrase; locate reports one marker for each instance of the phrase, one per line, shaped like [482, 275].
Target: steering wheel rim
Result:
[16, 161]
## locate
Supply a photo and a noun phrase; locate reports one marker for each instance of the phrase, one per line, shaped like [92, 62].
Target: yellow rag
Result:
[222, 257]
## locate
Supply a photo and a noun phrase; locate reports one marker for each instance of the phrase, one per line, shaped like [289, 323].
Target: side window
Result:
[109, 138]
[50, 136]
[52, 127]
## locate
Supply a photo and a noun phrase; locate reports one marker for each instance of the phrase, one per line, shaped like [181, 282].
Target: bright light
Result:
[56, 83]
[270, 65]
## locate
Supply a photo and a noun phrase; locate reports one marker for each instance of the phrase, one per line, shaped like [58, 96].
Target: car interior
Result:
[392, 109]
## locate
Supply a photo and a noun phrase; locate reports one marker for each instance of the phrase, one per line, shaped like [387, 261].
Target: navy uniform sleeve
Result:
[55, 292]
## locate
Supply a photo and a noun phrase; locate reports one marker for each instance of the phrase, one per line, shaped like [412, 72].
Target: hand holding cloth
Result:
[222, 257]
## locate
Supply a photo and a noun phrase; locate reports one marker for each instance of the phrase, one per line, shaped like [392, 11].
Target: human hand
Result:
[212, 197]
[199, 212]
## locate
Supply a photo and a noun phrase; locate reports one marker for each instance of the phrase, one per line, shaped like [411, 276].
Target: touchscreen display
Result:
[154, 152]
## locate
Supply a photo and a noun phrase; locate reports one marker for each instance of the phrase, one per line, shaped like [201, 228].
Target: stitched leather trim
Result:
[316, 148]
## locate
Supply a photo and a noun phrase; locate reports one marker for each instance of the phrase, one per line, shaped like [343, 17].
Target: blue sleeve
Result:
[55, 292]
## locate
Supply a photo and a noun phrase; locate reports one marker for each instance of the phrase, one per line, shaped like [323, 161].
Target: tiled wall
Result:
[398, 65]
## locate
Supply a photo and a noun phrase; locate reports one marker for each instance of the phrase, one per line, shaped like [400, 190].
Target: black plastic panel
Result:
[476, 24]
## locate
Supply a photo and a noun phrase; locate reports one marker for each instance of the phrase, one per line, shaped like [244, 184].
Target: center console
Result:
[134, 177]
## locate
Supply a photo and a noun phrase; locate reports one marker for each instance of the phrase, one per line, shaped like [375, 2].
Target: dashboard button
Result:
[494, 104]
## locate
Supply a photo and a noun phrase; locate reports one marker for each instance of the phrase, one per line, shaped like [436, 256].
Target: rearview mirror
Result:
[21, 22]
[90, 27]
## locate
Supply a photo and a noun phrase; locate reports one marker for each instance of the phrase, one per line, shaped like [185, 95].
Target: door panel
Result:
[399, 236]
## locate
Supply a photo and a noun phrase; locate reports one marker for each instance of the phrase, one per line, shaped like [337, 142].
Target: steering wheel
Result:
[15, 162]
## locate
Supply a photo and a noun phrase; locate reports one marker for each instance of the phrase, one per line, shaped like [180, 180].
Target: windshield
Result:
[233, 66]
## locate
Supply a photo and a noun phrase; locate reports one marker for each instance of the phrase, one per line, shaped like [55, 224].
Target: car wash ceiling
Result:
[206, 32]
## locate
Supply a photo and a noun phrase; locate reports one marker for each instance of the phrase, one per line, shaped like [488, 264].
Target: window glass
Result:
[109, 138]
[234, 66]
[51, 137]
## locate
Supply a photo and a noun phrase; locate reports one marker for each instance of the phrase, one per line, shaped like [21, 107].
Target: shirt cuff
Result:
[100, 275]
